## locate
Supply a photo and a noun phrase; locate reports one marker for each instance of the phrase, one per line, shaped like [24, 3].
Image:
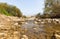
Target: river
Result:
[34, 31]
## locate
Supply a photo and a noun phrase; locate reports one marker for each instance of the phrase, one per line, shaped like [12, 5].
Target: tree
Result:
[38, 15]
[52, 8]
[10, 10]
[24, 16]
[56, 10]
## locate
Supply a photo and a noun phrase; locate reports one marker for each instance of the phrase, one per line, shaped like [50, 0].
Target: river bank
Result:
[19, 28]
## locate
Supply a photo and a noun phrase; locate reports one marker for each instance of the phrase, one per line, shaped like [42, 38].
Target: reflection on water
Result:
[29, 24]
[34, 30]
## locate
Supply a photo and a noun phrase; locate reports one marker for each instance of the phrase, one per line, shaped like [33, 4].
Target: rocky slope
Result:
[9, 27]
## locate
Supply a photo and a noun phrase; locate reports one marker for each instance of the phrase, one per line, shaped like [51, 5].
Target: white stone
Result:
[25, 37]
[35, 22]
[22, 38]
[26, 23]
[57, 35]
[2, 33]
[16, 24]
[42, 22]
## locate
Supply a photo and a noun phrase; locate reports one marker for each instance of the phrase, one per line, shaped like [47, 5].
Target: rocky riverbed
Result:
[18, 28]
[9, 27]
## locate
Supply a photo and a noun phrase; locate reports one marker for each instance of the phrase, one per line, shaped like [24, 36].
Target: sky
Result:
[27, 7]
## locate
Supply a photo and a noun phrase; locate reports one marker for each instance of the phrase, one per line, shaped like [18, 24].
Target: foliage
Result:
[38, 15]
[9, 10]
[24, 16]
[52, 8]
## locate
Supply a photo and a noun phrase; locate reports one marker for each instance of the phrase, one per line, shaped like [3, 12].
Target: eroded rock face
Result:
[9, 28]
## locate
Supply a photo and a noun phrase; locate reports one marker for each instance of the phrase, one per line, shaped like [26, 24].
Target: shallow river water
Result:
[34, 31]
